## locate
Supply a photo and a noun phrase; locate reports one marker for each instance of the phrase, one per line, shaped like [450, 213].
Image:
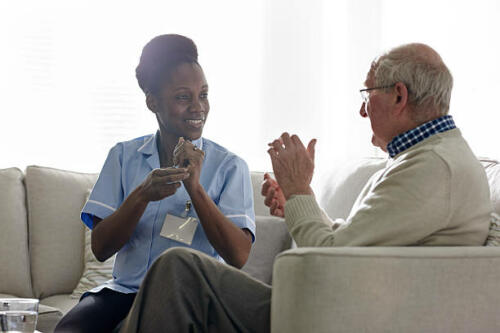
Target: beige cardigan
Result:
[434, 193]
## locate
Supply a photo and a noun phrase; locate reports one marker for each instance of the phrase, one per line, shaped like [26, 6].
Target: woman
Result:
[166, 190]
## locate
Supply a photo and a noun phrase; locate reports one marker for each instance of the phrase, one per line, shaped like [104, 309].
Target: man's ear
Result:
[152, 102]
[401, 96]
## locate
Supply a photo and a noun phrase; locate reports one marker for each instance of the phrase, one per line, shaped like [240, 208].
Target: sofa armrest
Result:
[387, 289]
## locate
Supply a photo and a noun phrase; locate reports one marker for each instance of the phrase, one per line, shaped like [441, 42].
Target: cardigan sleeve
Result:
[410, 201]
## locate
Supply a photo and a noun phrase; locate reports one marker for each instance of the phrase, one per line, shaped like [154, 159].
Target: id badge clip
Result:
[181, 228]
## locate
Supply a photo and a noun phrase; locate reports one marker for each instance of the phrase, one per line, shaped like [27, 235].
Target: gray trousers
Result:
[188, 291]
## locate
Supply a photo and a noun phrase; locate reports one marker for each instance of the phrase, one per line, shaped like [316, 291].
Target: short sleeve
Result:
[107, 194]
[236, 198]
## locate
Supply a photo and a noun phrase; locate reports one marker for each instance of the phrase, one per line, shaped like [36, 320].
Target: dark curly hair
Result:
[160, 57]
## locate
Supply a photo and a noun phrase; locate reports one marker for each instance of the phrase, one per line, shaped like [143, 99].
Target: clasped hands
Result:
[164, 182]
[293, 166]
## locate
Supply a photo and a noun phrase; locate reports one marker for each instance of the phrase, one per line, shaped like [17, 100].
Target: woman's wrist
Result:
[194, 189]
[139, 196]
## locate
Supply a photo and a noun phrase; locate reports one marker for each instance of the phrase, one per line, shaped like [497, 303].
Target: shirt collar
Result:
[410, 138]
[150, 149]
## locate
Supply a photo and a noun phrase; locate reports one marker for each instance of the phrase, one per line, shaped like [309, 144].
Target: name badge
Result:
[180, 229]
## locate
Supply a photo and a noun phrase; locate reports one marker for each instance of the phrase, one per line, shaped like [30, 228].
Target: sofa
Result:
[42, 245]
[42, 239]
[388, 289]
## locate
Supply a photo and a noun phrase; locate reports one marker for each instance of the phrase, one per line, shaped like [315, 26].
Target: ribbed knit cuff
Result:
[299, 207]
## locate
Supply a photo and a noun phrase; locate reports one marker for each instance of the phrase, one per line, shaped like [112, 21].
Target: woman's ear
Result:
[152, 102]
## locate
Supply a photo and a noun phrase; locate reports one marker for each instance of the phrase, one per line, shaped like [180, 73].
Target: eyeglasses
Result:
[365, 93]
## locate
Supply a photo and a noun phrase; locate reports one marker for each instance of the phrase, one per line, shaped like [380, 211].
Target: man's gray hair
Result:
[421, 69]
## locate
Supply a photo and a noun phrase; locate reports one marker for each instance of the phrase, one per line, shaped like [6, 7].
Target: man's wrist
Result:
[297, 191]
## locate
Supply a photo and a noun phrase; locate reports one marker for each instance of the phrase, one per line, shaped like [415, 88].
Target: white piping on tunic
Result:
[103, 205]
[241, 215]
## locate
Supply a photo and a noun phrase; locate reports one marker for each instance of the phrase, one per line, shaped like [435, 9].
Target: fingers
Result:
[186, 152]
[169, 175]
[276, 210]
[269, 197]
[274, 158]
[167, 185]
[273, 153]
[285, 138]
[275, 201]
[285, 141]
[178, 152]
[279, 212]
[272, 207]
[265, 188]
[296, 141]
[268, 183]
[173, 178]
[162, 172]
[158, 189]
[277, 145]
[311, 148]
[168, 189]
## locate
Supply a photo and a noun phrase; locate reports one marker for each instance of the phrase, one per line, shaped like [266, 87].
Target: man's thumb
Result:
[310, 148]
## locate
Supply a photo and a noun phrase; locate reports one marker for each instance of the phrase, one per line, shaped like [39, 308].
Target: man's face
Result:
[376, 108]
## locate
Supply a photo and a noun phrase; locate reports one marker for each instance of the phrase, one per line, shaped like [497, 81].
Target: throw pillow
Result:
[492, 169]
[54, 200]
[271, 238]
[94, 272]
[494, 233]
[14, 269]
[342, 187]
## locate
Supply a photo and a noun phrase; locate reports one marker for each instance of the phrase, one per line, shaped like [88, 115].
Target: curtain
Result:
[69, 93]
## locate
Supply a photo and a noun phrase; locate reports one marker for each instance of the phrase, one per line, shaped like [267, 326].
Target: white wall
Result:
[68, 90]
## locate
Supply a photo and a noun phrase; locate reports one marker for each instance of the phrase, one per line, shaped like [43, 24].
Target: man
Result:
[432, 192]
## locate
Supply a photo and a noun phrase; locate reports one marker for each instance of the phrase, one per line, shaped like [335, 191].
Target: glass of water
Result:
[18, 315]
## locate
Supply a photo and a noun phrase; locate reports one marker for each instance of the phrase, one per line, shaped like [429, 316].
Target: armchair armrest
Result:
[387, 289]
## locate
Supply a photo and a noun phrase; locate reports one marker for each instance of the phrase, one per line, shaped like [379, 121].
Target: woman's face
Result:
[182, 103]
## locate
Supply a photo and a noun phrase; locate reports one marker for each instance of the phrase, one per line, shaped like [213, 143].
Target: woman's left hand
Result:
[187, 155]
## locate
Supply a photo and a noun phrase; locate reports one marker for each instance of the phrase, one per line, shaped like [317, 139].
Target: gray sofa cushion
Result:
[63, 302]
[492, 169]
[95, 272]
[14, 260]
[343, 186]
[48, 317]
[272, 238]
[260, 208]
[494, 233]
[56, 233]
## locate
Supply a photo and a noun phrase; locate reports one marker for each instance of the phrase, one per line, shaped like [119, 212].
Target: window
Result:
[68, 88]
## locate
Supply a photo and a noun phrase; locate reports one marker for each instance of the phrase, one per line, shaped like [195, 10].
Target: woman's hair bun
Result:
[160, 57]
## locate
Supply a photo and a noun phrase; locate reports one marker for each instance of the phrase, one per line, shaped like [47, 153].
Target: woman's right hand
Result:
[161, 183]
[110, 234]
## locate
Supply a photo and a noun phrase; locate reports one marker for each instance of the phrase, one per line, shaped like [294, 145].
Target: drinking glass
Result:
[18, 315]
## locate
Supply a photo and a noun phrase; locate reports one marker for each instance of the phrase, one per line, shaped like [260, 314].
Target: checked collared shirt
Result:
[410, 138]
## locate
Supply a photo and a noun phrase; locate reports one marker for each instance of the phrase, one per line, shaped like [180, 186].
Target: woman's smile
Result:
[196, 122]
